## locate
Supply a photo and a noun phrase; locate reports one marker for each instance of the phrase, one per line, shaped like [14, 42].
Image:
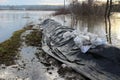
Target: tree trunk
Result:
[106, 27]
[107, 20]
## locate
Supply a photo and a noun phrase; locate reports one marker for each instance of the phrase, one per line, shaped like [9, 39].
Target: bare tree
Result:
[107, 19]
[107, 15]
[90, 2]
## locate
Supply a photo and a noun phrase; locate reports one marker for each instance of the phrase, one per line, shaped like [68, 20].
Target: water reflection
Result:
[11, 21]
[115, 29]
[95, 25]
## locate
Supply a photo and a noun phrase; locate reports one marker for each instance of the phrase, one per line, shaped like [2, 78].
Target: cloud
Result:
[3, 1]
[52, 2]
[32, 2]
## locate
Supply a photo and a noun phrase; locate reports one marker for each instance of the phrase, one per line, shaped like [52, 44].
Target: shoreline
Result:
[32, 61]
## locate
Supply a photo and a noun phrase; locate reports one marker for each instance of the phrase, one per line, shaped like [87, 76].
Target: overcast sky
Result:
[31, 2]
[34, 2]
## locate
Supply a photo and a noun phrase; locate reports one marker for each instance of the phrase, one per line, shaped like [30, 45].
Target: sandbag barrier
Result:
[100, 63]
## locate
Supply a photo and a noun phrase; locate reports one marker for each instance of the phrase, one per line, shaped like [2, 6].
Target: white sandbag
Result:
[67, 34]
[84, 49]
[84, 40]
[78, 41]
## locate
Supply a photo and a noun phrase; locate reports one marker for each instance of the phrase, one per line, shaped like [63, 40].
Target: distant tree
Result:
[90, 2]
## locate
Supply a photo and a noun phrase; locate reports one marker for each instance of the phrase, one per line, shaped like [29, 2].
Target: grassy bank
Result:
[9, 48]
[34, 38]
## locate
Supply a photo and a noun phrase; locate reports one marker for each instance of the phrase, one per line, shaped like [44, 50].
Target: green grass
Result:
[9, 48]
[34, 38]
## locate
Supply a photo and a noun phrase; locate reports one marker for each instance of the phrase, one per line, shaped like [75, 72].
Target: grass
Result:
[34, 38]
[61, 11]
[9, 48]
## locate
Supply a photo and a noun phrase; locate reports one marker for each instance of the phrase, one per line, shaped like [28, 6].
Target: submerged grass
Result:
[34, 38]
[9, 48]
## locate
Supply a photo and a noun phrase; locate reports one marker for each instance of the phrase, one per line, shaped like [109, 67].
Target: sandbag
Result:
[99, 63]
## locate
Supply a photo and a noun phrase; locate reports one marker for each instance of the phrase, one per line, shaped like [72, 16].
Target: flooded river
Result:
[11, 21]
[95, 25]
[28, 66]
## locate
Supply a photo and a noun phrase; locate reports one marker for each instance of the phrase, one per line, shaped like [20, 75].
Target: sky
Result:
[31, 2]
[34, 2]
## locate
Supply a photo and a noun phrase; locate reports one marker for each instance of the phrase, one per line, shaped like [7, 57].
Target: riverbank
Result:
[9, 48]
[32, 63]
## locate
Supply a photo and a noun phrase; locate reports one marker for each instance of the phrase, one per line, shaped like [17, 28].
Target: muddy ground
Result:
[34, 64]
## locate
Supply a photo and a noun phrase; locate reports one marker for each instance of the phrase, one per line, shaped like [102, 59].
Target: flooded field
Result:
[95, 25]
[11, 21]
[32, 61]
